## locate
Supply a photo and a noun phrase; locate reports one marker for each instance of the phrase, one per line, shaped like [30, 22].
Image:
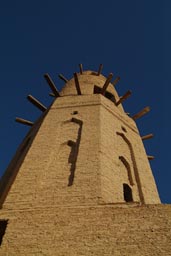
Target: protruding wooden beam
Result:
[124, 97]
[81, 68]
[150, 157]
[100, 69]
[141, 113]
[52, 94]
[23, 121]
[36, 103]
[109, 78]
[52, 85]
[148, 136]
[116, 80]
[77, 85]
[63, 78]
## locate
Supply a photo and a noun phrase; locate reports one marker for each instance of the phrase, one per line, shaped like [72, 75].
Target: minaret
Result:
[81, 178]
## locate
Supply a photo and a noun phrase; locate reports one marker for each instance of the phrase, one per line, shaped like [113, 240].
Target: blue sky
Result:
[131, 38]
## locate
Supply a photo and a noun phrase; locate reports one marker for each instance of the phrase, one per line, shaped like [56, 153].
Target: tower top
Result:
[90, 82]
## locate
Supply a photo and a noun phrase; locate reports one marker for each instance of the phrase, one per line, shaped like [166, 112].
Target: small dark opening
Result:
[74, 112]
[127, 193]
[97, 89]
[3, 226]
[123, 129]
[108, 95]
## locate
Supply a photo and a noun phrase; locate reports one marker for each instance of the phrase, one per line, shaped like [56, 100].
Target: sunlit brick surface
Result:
[63, 193]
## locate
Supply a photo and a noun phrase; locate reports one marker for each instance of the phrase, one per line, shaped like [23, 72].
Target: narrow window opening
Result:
[74, 112]
[3, 226]
[127, 193]
[97, 89]
[108, 95]
[123, 129]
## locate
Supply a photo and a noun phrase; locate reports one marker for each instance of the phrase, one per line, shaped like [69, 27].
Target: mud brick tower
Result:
[80, 182]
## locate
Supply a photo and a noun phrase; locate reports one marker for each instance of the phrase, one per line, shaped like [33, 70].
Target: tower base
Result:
[119, 230]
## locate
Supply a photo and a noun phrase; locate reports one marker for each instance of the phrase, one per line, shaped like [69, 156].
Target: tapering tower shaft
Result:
[86, 151]
[80, 182]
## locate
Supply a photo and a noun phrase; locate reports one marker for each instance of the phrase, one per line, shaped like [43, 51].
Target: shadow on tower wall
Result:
[74, 151]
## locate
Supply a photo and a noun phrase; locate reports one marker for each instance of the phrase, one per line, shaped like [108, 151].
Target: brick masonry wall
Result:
[91, 166]
[67, 197]
[44, 175]
[120, 137]
[94, 230]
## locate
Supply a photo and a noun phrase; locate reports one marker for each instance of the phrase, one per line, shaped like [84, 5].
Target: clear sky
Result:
[131, 38]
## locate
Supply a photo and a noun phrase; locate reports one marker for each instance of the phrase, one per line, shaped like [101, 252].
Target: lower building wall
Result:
[102, 230]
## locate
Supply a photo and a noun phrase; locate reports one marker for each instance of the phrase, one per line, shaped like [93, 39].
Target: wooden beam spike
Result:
[52, 94]
[141, 113]
[148, 136]
[52, 85]
[109, 78]
[77, 85]
[150, 157]
[100, 69]
[23, 121]
[116, 81]
[63, 78]
[36, 103]
[124, 97]
[81, 68]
